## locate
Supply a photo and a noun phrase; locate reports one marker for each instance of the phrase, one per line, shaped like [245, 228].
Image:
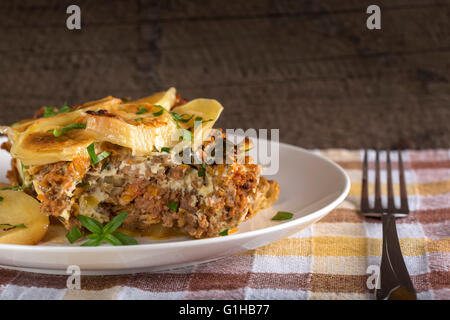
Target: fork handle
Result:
[395, 282]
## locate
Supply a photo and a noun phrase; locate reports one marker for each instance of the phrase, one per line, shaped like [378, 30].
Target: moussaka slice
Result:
[109, 156]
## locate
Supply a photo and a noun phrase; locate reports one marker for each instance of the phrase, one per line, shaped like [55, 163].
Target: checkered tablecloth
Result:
[328, 260]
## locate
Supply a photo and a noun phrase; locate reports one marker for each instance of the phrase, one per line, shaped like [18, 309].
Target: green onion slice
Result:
[72, 126]
[142, 110]
[94, 157]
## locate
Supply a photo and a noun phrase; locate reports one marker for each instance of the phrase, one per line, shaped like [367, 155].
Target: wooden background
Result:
[310, 68]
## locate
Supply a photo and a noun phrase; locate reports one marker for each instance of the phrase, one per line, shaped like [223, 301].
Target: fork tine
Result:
[404, 208]
[364, 187]
[390, 188]
[378, 206]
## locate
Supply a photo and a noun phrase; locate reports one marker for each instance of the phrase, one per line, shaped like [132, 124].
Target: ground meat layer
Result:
[153, 190]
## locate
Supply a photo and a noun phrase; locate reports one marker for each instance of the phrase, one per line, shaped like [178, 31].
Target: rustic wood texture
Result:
[310, 68]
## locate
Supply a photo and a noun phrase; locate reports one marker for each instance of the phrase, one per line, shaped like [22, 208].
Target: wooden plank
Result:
[53, 41]
[310, 68]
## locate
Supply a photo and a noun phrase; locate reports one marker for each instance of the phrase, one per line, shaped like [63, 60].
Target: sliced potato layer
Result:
[143, 125]
[39, 148]
[21, 221]
[141, 131]
[205, 110]
[165, 99]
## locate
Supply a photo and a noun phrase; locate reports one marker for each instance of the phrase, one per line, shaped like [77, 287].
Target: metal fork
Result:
[395, 283]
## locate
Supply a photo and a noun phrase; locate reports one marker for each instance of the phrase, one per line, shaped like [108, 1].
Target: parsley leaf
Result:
[115, 222]
[202, 170]
[92, 225]
[126, 239]
[223, 233]
[101, 233]
[172, 205]
[93, 242]
[74, 234]
[111, 238]
[282, 215]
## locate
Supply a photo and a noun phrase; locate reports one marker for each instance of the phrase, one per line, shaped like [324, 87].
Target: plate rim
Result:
[199, 242]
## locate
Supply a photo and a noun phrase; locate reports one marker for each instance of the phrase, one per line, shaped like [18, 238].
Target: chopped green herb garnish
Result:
[94, 157]
[178, 117]
[224, 233]
[64, 109]
[102, 233]
[112, 239]
[282, 215]
[172, 205]
[15, 188]
[175, 116]
[91, 224]
[91, 152]
[93, 242]
[199, 120]
[142, 110]
[187, 135]
[102, 155]
[10, 226]
[202, 170]
[1, 198]
[165, 149]
[115, 223]
[74, 234]
[50, 111]
[160, 112]
[125, 239]
[15, 124]
[23, 186]
[139, 119]
[72, 126]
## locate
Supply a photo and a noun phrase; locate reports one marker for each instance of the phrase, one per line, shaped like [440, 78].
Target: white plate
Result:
[310, 187]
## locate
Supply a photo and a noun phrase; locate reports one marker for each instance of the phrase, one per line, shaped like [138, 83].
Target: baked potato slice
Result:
[165, 98]
[21, 220]
[39, 148]
[140, 127]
